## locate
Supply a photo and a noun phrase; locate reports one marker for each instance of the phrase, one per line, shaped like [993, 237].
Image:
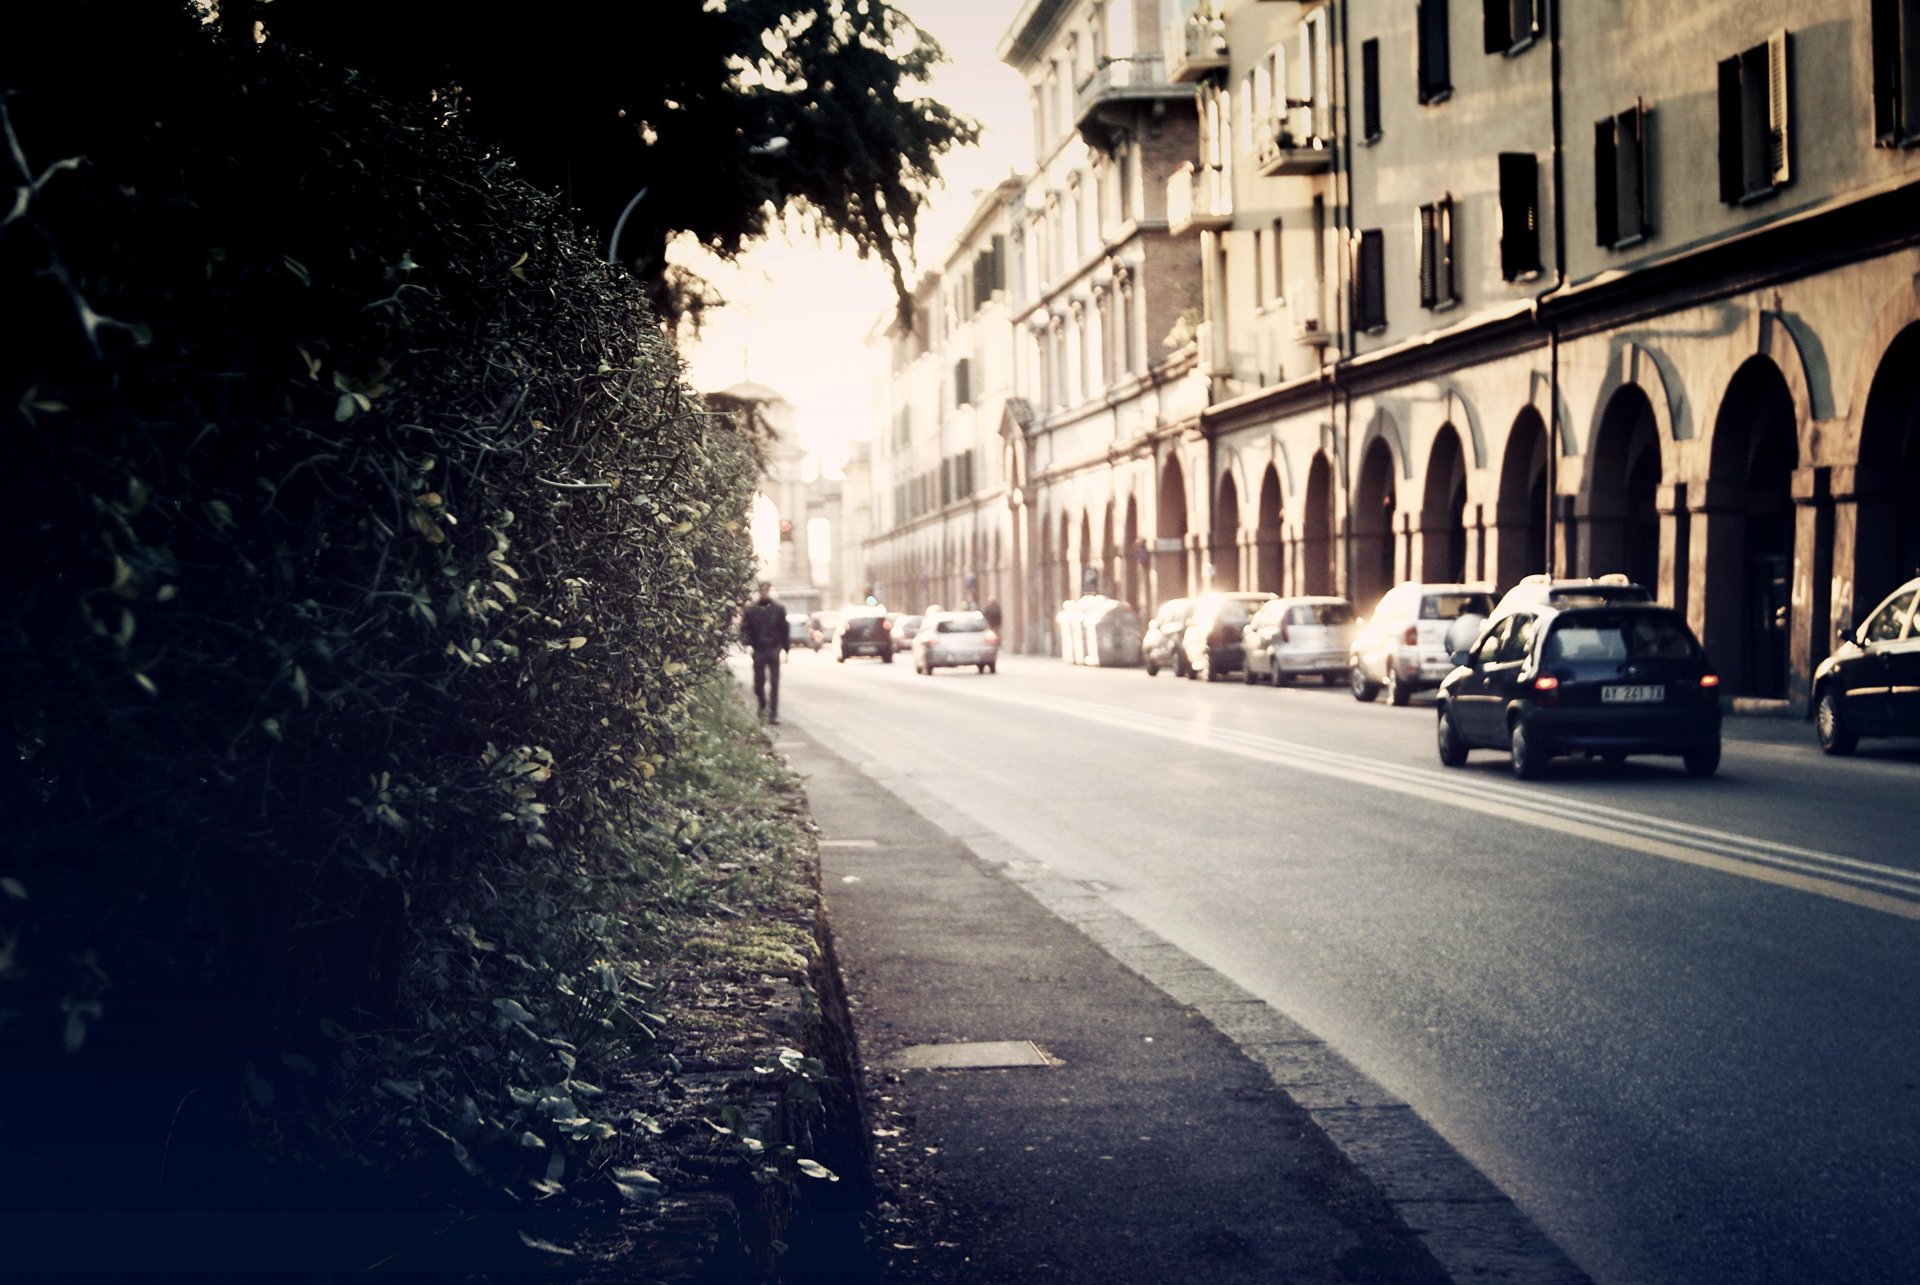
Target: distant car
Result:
[1214, 643]
[866, 632]
[1160, 643]
[1403, 646]
[800, 631]
[1290, 638]
[1606, 681]
[904, 628]
[1871, 686]
[948, 639]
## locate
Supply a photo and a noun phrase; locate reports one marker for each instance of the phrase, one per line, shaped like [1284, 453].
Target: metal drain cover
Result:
[980, 1056]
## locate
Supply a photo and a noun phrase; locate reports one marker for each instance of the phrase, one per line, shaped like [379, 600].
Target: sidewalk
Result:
[1146, 1146]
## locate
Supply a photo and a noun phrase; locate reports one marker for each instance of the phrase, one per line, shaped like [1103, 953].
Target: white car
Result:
[1292, 637]
[1404, 648]
[947, 639]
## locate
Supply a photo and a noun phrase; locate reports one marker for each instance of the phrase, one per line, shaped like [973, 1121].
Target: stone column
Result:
[1716, 578]
[1812, 638]
[1676, 541]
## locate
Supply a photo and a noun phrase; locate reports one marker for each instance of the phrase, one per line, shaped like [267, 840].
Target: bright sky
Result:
[799, 310]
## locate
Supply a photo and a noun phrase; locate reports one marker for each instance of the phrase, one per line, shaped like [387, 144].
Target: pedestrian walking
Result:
[763, 628]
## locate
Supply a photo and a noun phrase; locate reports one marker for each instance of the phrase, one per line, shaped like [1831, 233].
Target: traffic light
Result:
[786, 529]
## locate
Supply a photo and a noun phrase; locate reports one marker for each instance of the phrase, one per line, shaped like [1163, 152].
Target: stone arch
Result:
[1464, 418]
[1317, 544]
[1885, 483]
[1520, 514]
[1618, 523]
[1170, 528]
[1371, 523]
[1631, 367]
[1224, 546]
[1746, 589]
[1269, 548]
[1443, 509]
[1382, 428]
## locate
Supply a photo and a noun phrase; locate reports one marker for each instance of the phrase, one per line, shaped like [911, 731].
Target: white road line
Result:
[1886, 889]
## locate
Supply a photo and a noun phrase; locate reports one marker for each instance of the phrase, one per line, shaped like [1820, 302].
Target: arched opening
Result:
[1316, 529]
[1443, 513]
[1623, 524]
[1068, 585]
[1135, 556]
[1224, 548]
[1887, 481]
[1374, 503]
[1170, 526]
[1749, 585]
[1269, 554]
[1520, 541]
[1086, 575]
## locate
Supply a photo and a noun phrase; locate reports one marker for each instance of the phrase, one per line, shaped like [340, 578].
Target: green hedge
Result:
[365, 549]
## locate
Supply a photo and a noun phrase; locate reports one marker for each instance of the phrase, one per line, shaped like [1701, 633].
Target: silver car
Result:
[947, 639]
[1294, 637]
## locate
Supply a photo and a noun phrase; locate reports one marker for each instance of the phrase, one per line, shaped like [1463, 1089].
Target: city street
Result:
[1674, 1019]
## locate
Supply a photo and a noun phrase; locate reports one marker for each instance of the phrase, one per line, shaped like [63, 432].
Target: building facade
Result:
[1491, 287]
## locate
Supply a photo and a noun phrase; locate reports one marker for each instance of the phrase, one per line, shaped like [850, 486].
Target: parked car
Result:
[1098, 630]
[866, 631]
[1292, 637]
[800, 631]
[904, 628]
[1403, 646]
[1871, 686]
[952, 638]
[1160, 644]
[1607, 680]
[1214, 644]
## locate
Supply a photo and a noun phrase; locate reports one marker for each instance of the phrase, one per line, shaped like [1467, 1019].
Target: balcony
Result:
[1289, 146]
[1198, 200]
[1198, 39]
[1109, 98]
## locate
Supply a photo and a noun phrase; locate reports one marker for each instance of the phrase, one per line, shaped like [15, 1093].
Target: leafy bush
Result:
[366, 551]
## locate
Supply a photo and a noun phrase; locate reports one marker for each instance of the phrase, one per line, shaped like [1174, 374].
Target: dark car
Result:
[1160, 644]
[1215, 642]
[1606, 681]
[866, 633]
[1871, 686]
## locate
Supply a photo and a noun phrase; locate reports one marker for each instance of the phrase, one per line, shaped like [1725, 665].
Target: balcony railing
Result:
[1199, 199]
[1107, 96]
[1289, 145]
[1198, 39]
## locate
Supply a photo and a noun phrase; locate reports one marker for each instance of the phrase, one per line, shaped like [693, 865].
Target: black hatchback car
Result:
[1606, 681]
[1871, 685]
[867, 633]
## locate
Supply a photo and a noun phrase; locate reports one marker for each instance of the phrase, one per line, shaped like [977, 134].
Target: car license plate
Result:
[1641, 695]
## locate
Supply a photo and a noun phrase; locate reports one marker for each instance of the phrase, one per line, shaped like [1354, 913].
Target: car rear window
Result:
[973, 624]
[1451, 606]
[1613, 638]
[1321, 613]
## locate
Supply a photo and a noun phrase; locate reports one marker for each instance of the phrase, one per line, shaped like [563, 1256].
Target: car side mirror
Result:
[1843, 626]
[1460, 656]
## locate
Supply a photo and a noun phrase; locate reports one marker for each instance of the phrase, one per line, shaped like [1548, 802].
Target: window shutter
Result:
[1496, 24]
[1446, 289]
[1886, 73]
[1519, 215]
[1429, 249]
[1369, 281]
[1526, 20]
[1606, 188]
[999, 262]
[1779, 139]
[1906, 91]
[1370, 90]
[1732, 177]
[1630, 149]
[1436, 76]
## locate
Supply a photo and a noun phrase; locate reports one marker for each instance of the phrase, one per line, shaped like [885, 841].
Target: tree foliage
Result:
[724, 112]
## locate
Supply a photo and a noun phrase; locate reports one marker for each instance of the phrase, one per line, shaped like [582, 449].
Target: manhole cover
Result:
[978, 1056]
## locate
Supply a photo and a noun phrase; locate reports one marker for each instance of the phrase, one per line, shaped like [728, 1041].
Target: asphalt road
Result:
[1675, 1020]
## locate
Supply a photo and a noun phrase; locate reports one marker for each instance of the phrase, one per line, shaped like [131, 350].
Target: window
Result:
[1620, 179]
[1435, 75]
[1370, 281]
[1437, 286]
[1896, 72]
[1885, 624]
[1514, 646]
[1370, 91]
[1274, 265]
[1512, 25]
[1519, 215]
[1755, 149]
[963, 382]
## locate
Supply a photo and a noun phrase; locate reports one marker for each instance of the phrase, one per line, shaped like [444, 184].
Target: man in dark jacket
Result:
[763, 628]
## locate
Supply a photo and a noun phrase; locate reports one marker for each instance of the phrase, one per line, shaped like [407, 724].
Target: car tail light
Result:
[1412, 638]
[1546, 683]
[1710, 688]
[1709, 680]
[886, 626]
[993, 639]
